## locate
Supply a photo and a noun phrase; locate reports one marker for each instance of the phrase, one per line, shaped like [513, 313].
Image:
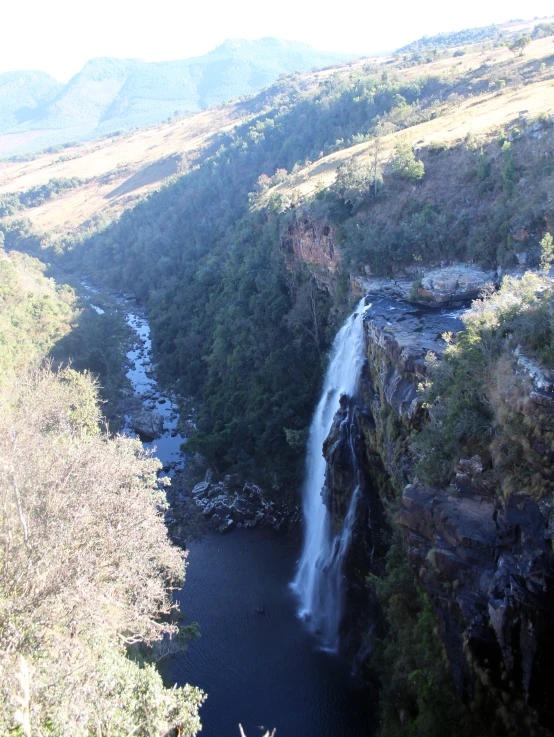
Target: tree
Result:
[375, 152]
[518, 44]
[404, 165]
[547, 252]
[352, 182]
[87, 570]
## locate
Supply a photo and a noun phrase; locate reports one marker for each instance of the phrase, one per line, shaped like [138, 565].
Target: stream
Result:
[255, 658]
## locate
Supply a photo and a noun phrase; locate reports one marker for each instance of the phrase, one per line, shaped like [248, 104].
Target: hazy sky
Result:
[59, 36]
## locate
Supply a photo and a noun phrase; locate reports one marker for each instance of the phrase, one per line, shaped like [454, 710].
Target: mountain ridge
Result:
[110, 94]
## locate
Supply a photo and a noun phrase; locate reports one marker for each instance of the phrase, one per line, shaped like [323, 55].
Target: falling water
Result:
[318, 581]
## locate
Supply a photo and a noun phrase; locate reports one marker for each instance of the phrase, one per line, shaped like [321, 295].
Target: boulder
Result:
[201, 489]
[456, 282]
[226, 525]
[147, 425]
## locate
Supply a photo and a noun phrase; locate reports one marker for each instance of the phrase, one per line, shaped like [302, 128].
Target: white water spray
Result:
[318, 581]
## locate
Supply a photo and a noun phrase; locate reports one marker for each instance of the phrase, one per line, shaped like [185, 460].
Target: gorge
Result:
[406, 199]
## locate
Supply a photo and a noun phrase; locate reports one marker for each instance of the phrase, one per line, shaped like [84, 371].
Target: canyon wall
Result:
[484, 560]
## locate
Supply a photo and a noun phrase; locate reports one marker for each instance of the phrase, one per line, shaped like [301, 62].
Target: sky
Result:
[59, 36]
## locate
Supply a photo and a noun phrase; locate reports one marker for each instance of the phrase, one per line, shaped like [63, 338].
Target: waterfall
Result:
[318, 581]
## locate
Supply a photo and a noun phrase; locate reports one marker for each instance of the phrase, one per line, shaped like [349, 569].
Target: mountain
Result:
[23, 92]
[110, 94]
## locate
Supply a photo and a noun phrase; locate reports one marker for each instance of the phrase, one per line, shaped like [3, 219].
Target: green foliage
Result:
[477, 403]
[417, 693]
[454, 38]
[519, 44]
[354, 183]
[34, 313]
[404, 165]
[547, 252]
[35, 196]
[469, 205]
[40, 318]
[542, 30]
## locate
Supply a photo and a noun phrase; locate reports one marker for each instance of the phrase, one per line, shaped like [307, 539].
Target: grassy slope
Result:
[121, 170]
[478, 116]
[118, 170]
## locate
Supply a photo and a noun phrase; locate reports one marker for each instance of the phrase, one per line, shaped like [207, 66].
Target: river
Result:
[255, 658]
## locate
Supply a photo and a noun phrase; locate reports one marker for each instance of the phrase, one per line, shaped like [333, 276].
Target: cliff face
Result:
[307, 241]
[484, 560]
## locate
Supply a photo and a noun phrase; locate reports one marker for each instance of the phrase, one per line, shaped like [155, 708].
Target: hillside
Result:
[110, 95]
[114, 173]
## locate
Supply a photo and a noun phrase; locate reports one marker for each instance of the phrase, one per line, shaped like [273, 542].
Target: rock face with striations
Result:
[487, 566]
[307, 241]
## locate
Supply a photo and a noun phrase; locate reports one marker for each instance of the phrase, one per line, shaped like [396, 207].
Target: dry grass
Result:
[119, 170]
[478, 116]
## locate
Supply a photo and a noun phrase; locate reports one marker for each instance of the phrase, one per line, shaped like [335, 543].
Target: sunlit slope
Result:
[117, 171]
[477, 115]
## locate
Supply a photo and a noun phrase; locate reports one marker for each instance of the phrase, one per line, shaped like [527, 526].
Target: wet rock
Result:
[201, 488]
[226, 525]
[148, 425]
[232, 481]
[471, 466]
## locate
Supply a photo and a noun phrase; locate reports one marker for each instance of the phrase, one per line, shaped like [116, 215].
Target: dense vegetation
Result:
[39, 317]
[453, 38]
[480, 404]
[227, 312]
[481, 202]
[417, 695]
[85, 601]
[35, 196]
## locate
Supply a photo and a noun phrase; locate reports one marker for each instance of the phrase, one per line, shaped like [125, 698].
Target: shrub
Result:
[87, 570]
[404, 165]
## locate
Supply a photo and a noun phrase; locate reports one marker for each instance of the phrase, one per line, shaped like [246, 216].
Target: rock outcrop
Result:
[432, 286]
[307, 241]
[229, 504]
[453, 283]
[487, 566]
[147, 424]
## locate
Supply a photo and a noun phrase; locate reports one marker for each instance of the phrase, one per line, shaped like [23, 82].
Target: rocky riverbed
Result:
[197, 501]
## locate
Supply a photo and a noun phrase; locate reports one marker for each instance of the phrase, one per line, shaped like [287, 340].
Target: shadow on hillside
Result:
[156, 172]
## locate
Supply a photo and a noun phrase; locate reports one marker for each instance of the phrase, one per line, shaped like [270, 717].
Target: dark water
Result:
[255, 659]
